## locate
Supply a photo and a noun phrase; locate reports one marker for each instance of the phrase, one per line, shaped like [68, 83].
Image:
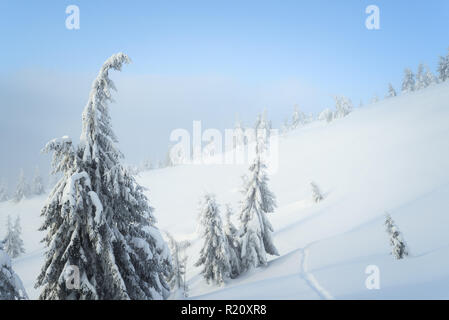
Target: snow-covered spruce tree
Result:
[306, 118]
[443, 68]
[285, 127]
[316, 193]
[375, 99]
[23, 189]
[239, 134]
[214, 255]
[255, 231]
[295, 118]
[235, 249]
[408, 83]
[11, 287]
[399, 248]
[169, 157]
[4, 196]
[391, 92]
[262, 129]
[429, 77]
[424, 78]
[97, 217]
[146, 165]
[343, 106]
[177, 277]
[13, 243]
[210, 149]
[326, 115]
[420, 78]
[38, 184]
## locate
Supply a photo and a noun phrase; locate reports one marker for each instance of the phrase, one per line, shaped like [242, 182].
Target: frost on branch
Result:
[11, 287]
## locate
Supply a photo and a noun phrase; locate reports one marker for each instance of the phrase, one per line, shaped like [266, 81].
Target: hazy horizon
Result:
[205, 64]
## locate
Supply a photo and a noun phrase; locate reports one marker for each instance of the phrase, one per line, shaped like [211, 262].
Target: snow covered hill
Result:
[392, 156]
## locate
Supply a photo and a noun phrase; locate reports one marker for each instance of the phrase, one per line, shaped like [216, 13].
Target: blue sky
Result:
[198, 60]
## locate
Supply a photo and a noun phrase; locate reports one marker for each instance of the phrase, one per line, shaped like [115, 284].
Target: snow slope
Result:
[390, 156]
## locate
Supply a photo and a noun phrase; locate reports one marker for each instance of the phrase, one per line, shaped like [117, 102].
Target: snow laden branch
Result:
[11, 287]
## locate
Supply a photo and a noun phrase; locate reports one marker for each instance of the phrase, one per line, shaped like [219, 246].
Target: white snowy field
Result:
[392, 156]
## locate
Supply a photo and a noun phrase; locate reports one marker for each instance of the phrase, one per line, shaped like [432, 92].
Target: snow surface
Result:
[391, 156]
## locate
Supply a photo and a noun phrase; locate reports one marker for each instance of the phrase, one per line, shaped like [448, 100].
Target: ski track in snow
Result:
[309, 278]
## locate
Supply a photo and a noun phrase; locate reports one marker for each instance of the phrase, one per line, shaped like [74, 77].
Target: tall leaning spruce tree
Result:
[98, 220]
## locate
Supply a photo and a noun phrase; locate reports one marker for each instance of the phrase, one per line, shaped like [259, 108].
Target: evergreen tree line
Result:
[343, 106]
[23, 189]
[422, 79]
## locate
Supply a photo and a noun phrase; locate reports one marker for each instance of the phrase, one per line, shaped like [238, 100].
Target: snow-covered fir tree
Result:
[443, 68]
[262, 128]
[399, 248]
[285, 127]
[343, 106]
[8, 241]
[97, 217]
[424, 78]
[391, 92]
[239, 134]
[420, 78]
[133, 170]
[4, 196]
[375, 99]
[429, 77]
[256, 229]
[177, 277]
[11, 287]
[309, 118]
[38, 184]
[177, 155]
[296, 118]
[326, 115]
[316, 193]
[214, 255]
[13, 243]
[22, 189]
[235, 249]
[170, 157]
[210, 149]
[146, 165]
[408, 83]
